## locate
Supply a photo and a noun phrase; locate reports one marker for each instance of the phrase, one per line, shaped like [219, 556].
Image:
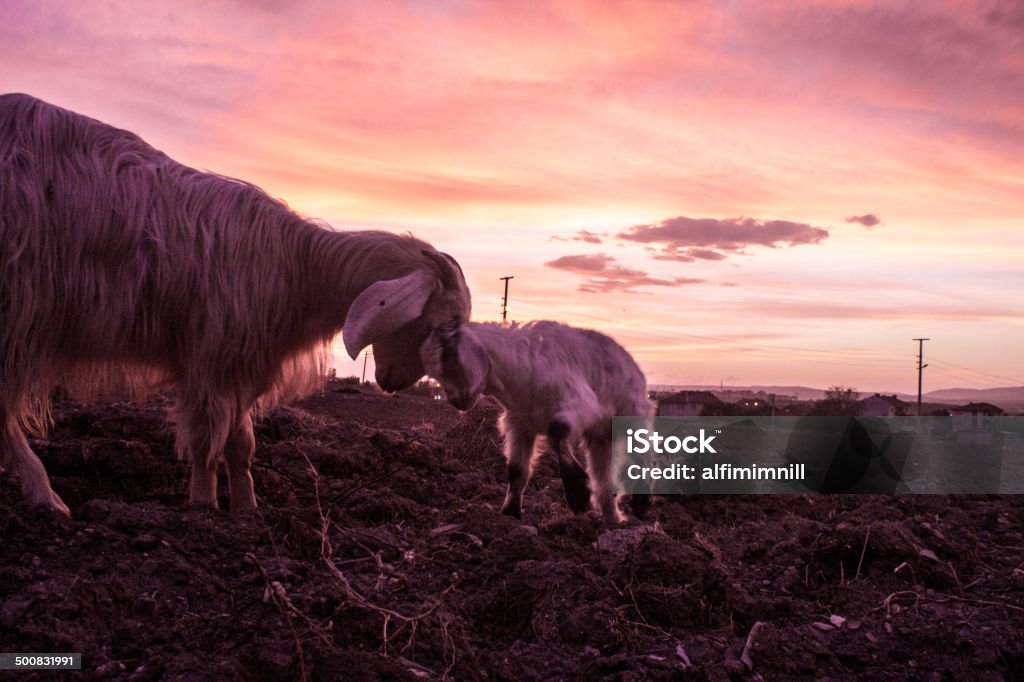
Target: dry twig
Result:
[284, 607]
[751, 638]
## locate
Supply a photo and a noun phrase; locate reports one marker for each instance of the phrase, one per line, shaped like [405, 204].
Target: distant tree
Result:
[838, 401]
[797, 409]
[345, 385]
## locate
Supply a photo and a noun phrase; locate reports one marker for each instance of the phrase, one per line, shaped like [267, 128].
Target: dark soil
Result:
[379, 553]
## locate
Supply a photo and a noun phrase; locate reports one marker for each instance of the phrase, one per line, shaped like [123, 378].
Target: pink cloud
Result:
[585, 236]
[686, 239]
[602, 274]
[689, 255]
[868, 220]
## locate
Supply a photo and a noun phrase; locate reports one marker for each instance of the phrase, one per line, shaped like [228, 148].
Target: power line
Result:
[744, 344]
[964, 375]
[843, 357]
[997, 377]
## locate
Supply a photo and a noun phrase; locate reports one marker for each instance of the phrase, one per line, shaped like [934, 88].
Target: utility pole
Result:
[365, 356]
[504, 299]
[920, 367]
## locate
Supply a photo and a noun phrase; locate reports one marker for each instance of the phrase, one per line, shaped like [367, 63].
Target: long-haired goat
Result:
[555, 381]
[120, 267]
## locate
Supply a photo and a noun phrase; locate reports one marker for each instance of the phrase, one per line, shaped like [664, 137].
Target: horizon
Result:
[858, 394]
[770, 195]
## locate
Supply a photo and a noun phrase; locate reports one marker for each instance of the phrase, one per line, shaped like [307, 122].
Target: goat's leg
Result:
[519, 445]
[238, 453]
[574, 477]
[641, 503]
[202, 490]
[641, 496]
[203, 426]
[601, 469]
[17, 457]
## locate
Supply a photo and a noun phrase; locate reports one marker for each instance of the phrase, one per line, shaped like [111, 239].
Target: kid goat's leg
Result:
[574, 477]
[602, 471]
[519, 445]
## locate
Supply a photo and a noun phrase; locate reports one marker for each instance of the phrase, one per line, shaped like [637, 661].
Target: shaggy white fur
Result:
[121, 270]
[553, 380]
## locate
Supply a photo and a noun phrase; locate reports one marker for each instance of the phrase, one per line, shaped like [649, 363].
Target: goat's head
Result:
[396, 316]
[454, 356]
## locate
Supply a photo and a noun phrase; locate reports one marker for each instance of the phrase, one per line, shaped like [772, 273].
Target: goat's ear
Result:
[384, 307]
[451, 271]
[475, 362]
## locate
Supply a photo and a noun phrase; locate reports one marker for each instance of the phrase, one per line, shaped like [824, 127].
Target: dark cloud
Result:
[868, 220]
[687, 239]
[602, 274]
[581, 236]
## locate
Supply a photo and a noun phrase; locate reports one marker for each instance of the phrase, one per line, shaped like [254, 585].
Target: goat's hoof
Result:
[641, 504]
[57, 513]
[579, 502]
[246, 508]
[614, 518]
[60, 510]
[512, 510]
[577, 490]
[54, 505]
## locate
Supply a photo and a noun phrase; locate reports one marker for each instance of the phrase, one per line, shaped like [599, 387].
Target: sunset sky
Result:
[739, 192]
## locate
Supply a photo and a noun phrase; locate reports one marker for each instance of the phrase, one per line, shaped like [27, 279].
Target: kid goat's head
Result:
[454, 356]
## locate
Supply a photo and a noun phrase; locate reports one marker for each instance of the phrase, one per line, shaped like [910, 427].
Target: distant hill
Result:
[801, 392]
[1010, 398]
[977, 395]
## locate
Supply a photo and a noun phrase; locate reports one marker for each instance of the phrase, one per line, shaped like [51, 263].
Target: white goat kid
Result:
[122, 269]
[555, 381]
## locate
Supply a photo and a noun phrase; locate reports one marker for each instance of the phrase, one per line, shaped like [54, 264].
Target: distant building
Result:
[973, 423]
[760, 405]
[730, 395]
[977, 410]
[688, 404]
[883, 406]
